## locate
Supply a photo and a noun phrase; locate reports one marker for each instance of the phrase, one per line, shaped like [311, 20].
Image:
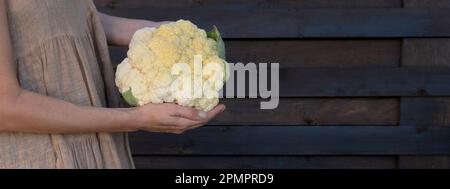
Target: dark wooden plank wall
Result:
[364, 84]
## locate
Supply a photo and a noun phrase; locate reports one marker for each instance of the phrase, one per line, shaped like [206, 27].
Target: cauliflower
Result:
[175, 63]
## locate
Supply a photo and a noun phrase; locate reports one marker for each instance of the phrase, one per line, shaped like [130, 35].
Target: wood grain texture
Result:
[307, 23]
[375, 82]
[288, 140]
[265, 162]
[245, 4]
[311, 111]
[426, 52]
[425, 112]
[323, 77]
[327, 69]
[354, 82]
[317, 53]
[426, 3]
[307, 53]
[424, 162]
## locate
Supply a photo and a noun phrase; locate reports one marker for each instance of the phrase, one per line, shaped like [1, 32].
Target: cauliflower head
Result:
[175, 63]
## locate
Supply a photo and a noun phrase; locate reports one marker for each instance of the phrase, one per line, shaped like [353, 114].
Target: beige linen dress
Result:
[60, 51]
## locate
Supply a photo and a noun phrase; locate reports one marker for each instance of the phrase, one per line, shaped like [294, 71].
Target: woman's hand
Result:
[172, 118]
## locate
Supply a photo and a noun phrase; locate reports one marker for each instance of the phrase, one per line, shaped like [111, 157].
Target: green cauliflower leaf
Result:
[215, 35]
[129, 98]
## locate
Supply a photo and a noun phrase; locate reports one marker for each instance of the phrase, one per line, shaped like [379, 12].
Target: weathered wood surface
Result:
[357, 82]
[307, 53]
[246, 4]
[265, 162]
[423, 162]
[327, 81]
[310, 80]
[426, 53]
[362, 84]
[426, 3]
[306, 23]
[307, 111]
[288, 140]
[424, 113]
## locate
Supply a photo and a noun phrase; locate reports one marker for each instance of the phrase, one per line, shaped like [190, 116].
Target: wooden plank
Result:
[364, 82]
[289, 140]
[308, 53]
[426, 52]
[265, 162]
[308, 23]
[331, 82]
[426, 3]
[424, 162]
[317, 53]
[245, 4]
[425, 112]
[311, 111]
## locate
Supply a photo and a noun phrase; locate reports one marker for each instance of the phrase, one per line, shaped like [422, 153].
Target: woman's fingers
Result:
[211, 114]
[183, 123]
[178, 119]
[196, 115]
[215, 111]
[189, 113]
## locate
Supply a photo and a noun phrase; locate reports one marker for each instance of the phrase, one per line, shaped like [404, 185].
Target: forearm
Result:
[33, 113]
[119, 31]
[23, 111]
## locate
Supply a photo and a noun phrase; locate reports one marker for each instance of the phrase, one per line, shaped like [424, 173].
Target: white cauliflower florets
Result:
[148, 74]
